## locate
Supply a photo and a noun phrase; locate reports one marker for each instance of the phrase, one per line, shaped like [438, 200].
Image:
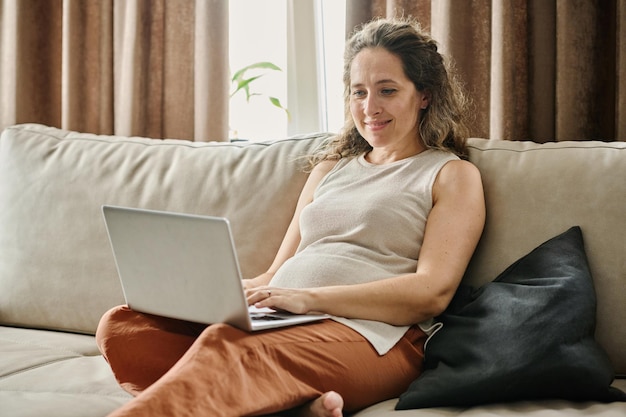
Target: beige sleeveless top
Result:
[365, 223]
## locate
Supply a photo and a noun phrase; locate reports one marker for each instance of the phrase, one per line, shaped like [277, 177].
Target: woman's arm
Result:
[291, 240]
[453, 229]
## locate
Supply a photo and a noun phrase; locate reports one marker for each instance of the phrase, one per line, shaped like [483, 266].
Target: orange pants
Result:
[187, 369]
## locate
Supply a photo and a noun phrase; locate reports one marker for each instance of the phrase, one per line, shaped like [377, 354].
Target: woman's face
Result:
[384, 103]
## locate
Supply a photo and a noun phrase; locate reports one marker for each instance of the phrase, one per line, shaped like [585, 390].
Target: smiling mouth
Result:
[377, 125]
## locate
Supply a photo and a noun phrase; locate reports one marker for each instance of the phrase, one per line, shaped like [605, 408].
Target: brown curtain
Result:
[156, 68]
[539, 70]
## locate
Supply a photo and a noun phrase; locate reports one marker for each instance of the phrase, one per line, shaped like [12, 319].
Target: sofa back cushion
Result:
[56, 264]
[537, 191]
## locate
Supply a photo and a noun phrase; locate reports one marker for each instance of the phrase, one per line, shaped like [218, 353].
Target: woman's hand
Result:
[293, 300]
[261, 280]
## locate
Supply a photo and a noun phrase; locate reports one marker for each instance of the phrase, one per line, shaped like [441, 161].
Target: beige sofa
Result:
[57, 274]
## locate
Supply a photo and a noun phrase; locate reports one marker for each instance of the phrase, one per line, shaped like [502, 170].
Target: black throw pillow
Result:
[527, 335]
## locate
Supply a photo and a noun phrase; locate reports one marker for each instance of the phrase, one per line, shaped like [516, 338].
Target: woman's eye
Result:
[358, 93]
[388, 91]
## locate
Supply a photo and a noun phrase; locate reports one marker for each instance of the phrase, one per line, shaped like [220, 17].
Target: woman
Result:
[389, 190]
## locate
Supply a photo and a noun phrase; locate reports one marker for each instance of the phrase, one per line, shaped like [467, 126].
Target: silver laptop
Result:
[185, 267]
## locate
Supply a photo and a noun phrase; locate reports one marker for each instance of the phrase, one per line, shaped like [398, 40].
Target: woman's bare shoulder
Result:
[456, 177]
[324, 167]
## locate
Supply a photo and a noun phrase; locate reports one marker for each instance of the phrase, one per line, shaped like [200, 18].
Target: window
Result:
[305, 39]
[257, 34]
[332, 25]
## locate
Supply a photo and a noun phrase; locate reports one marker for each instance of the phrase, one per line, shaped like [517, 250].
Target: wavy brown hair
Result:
[442, 124]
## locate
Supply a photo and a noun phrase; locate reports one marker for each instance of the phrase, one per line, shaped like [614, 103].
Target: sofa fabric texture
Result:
[57, 273]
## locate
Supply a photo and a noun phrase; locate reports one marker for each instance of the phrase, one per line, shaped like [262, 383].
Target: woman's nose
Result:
[372, 106]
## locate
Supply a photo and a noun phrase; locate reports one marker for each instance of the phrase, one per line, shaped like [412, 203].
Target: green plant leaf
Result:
[257, 65]
[276, 102]
[244, 84]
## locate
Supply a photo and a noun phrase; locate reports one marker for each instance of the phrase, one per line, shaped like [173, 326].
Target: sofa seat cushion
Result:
[45, 373]
[52, 374]
[544, 408]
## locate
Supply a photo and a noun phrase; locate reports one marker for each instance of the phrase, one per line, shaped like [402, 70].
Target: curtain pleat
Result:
[586, 63]
[509, 67]
[30, 50]
[463, 31]
[151, 68]
[178, 65]
[212, 75]
[357, 12]
[540, 70]
[139, 86]
[87, 77]
[8, 63]
[620, 89]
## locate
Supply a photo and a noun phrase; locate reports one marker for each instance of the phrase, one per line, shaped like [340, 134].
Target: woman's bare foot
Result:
[329, 404]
